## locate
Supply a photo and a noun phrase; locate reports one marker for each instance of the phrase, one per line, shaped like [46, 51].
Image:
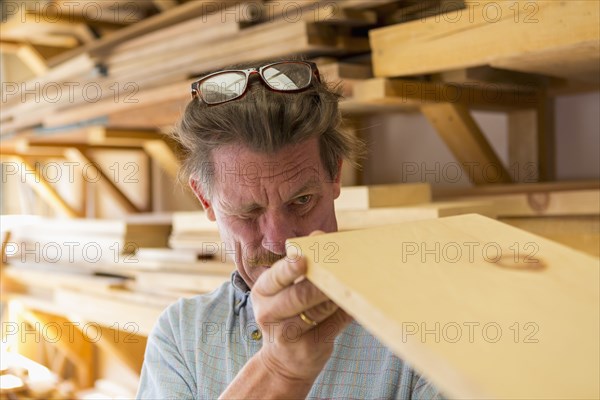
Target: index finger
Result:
[281, 275]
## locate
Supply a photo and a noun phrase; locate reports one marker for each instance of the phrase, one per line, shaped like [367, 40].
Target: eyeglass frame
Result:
[248, 72]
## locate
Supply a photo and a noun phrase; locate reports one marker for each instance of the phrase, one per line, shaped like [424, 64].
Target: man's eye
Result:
[303, 200]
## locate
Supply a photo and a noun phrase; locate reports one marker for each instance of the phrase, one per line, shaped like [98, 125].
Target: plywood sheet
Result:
[477, 325]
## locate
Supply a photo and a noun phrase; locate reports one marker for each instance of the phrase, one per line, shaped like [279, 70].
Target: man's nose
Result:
[276, 228]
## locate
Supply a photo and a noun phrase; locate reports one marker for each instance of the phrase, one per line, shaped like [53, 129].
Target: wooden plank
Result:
[70, 69]
[480, 324]
[193, 221]
[196, 283]
[462, 135]
[108, 311]
[573, 202]
[578, 232]
[102, 135]
[108, 105]
[156, 44]
[440, 193]
[577, 61]
[409, 95]
[346, 73]
[529, 32]
[332, 12]
[178, 14]
[52, 279]
[361, 219]
[117, 12]
[32, 28]
[160, 116]
[500, 78]
[374, 196]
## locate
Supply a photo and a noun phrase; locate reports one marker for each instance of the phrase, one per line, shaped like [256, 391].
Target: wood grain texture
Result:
[476, 326]
[554, 37]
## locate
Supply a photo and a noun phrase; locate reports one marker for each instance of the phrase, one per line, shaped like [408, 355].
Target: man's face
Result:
[261, 200]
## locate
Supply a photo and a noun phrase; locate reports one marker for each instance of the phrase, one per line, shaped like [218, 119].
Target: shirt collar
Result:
[241, 290]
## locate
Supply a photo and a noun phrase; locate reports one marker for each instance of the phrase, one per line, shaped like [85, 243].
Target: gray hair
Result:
[265, 121]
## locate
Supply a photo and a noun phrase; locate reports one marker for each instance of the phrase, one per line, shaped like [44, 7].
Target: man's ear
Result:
[337, 180]
[206, 204]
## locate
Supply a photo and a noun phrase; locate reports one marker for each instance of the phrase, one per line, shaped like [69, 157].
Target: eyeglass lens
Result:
[288, 76]
[229, 85]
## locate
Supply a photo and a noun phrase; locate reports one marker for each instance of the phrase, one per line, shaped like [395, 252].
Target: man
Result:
[264, 152]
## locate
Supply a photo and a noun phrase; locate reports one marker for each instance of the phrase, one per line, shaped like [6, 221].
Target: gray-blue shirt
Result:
[200, 344]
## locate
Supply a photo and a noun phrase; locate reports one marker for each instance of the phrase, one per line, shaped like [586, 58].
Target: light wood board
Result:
[360, 219]
[365, 197]
[399, 294]
[550, 37]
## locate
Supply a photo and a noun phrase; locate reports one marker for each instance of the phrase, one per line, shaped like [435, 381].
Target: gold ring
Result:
[309, 321]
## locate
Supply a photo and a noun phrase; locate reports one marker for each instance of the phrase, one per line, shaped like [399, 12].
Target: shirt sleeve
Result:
[165, 374]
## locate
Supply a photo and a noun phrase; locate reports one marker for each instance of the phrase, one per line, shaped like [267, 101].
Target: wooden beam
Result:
[77, 155]
[546, 137]
[462, 135]
[46, 192]
[523, 161]
[487, 321]
[164, 155]
[32, 59]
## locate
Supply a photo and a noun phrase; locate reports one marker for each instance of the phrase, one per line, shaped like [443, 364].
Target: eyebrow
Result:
[247, 208]
[308, 186]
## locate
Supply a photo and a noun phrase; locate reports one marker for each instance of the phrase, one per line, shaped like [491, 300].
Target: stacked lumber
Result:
[105, 271]
[554, 38]
[468, 318]
[148, 64]
[169, 54]
[62, 241]
[193, 231]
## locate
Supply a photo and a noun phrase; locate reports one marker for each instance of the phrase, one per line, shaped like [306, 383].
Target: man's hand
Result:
[294, 349]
